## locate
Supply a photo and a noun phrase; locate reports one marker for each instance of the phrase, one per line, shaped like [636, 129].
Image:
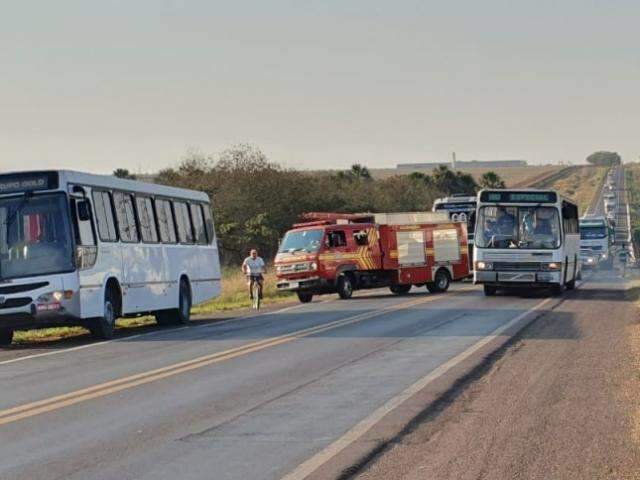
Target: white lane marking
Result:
[355, 433]
[158, 332]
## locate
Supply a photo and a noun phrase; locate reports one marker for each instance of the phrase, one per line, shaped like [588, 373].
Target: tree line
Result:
[604, 159]
[256, 200]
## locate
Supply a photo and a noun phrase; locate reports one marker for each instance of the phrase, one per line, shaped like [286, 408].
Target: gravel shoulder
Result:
[562, 402]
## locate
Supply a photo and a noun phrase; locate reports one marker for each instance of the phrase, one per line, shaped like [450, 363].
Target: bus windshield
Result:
[593, 232]
[302, 241]
[35, 236]
[530, 227]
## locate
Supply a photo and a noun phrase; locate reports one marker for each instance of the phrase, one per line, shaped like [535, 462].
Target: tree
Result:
[123, 173]
[604, 159]
[357, 173]
[449, 182]
[491, 180]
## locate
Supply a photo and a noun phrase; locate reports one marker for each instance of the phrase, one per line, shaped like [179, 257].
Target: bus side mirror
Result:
[84, 210]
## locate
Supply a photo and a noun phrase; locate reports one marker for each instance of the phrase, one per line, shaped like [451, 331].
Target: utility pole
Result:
[453, 161]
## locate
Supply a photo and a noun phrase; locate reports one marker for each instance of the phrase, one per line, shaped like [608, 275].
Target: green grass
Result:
[234, 296]
[235, 293]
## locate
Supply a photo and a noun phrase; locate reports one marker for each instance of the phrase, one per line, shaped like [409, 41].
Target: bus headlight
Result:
[480, 265]
[313, 266]
[553, 266]
[55, 297]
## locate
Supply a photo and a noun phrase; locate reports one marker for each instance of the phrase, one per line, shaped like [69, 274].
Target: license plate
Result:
[288, 285]
[517, 277]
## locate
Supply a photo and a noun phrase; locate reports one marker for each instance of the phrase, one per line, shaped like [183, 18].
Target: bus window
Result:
[198, 223]
[103, 211]
[208, 220]
[126, 217]
[148, 230]
[84, 229]
[183, 222]
[165, 221]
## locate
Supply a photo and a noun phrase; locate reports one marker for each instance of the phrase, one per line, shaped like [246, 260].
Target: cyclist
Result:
[253, 267]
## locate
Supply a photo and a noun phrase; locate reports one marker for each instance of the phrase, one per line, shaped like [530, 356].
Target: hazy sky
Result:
[105, 84]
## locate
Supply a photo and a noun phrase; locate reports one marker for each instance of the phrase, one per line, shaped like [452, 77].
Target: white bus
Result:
[83, 249]
[526, 238]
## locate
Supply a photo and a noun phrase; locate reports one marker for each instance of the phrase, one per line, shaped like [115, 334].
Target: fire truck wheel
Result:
[490, 290]
[440, 282]
[305, 297]
[345, 287]
[400, 289]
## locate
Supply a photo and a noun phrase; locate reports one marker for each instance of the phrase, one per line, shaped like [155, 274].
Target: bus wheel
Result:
[440, 283]
[490, 290]
[305, 297]
[102, 327]
[6, 337]
[180, 315]
[556, 289]
[400, 289]
[345, 287]
[571, 285]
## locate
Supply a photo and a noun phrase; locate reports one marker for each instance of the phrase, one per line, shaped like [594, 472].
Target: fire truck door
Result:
[336, 250]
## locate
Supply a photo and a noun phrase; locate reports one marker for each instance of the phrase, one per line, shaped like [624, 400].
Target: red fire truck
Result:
[340, 253]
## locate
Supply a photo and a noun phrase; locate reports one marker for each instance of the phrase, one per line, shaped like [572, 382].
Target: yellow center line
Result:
[24, 411]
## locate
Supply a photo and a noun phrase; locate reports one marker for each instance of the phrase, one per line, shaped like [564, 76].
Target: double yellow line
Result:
[46, 405]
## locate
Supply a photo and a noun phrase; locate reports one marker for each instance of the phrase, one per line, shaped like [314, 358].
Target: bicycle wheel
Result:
[256, 296]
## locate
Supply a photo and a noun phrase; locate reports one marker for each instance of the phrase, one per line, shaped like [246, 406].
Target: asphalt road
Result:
[250, 398]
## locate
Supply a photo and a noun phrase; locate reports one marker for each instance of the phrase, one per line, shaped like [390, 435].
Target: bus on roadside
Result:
[526, 239]
[84, 249]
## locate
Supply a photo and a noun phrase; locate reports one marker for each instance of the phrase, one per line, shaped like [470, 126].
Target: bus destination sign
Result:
[27, 182]
[518, 197]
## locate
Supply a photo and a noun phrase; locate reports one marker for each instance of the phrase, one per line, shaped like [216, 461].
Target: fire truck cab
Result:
[340, 253]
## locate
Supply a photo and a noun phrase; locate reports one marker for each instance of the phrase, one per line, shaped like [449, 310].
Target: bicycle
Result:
[256, 301]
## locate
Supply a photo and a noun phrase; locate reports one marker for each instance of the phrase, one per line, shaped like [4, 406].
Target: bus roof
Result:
[593, 221]
[65, 177]
[456, 198]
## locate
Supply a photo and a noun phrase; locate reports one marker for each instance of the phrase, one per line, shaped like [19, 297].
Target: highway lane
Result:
[252, 398]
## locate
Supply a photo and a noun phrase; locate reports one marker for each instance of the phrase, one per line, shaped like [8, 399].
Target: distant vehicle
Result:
[340, 253]
[595, 236]
[460, 207]
[588, 258]
[526, 238]
[83, 249]
[610, 207]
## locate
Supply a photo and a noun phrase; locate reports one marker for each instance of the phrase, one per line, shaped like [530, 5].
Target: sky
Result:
[97, 85]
